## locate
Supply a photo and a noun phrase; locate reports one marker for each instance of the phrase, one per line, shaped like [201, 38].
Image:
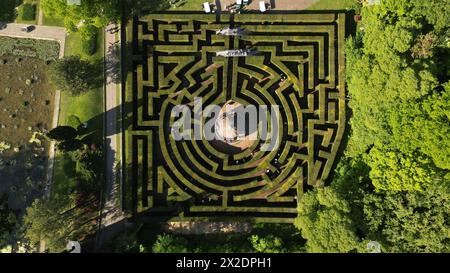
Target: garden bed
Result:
[26, 106]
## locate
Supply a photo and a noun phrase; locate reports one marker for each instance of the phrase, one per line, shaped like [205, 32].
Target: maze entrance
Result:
[296, 62]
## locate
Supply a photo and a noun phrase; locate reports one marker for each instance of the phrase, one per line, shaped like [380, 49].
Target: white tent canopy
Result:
[262, 6]
[207, 7]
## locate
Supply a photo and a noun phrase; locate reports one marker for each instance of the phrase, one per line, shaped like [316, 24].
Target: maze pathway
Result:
[298, 65]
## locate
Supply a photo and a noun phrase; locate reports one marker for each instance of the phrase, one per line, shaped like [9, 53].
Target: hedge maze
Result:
[298, 64]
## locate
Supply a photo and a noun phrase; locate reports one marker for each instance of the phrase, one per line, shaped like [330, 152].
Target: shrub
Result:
[89, 45]
[72, 74]
[89, 39]
[28, 12]
[168, 243]
[73, 121]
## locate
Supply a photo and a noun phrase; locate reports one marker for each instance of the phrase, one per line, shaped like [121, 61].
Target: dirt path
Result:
[40, 17]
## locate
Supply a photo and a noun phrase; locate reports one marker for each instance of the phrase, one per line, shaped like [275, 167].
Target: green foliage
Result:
[410, 222]
[168, 243]
[48, 220]
[8, 221]
[70, 145]
[325, 221]
[127, 242]
[423, 125]
[393, 171]
[28, 12]
[396, 179]
[74, 121]
[43, 49]
[62, 133]
[7, 11]
[89, 39]
[72, 74]
[267, 244]
[89, 168]
[383, 74]
[97, 13]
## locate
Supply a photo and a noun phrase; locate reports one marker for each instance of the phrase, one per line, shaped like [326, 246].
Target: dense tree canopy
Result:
[8, 221]
[168, 243]
[72, 74]
[325, 222]
[393, 184]
[410, 222]
[49, 221]
[98, 13]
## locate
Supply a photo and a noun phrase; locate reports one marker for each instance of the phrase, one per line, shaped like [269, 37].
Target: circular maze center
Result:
[232, 132]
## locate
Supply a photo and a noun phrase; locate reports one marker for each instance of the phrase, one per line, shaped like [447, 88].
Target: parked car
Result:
[28, 28]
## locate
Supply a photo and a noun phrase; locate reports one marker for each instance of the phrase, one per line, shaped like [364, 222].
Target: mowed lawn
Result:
[332, 4]
[195, 5]
[88, 107]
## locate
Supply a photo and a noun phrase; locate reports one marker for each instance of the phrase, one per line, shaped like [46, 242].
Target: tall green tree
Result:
[8, 221]
[325, 221]
[267, 244]
[168, 243]
[410, 222]
[62, 133]
[50, 221]
[98, 13]
[74, 75]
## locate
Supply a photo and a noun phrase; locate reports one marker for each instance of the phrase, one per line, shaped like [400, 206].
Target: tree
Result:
[66, 138]
[410, 222]
[168, 243]
[423, 125]
[267, 244]
[89, 164]
[8, 221]
[324, 219]
[49, 221]
[98, 13]
[8, 10]
[394, 171]
[384, 75]
[72, 74]
[63, 133]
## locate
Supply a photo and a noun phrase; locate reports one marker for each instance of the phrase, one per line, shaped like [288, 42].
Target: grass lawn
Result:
[190, 5]
[88, 107]
[49, 20]
[32, 22]
[332, 4]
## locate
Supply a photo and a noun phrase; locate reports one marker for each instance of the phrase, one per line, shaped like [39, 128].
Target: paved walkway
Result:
[40, 17]
[112, 212]
[40, 32]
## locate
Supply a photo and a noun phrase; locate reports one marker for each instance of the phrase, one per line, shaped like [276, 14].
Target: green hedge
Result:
[89, 37]
[89, 45]
[28, 12]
